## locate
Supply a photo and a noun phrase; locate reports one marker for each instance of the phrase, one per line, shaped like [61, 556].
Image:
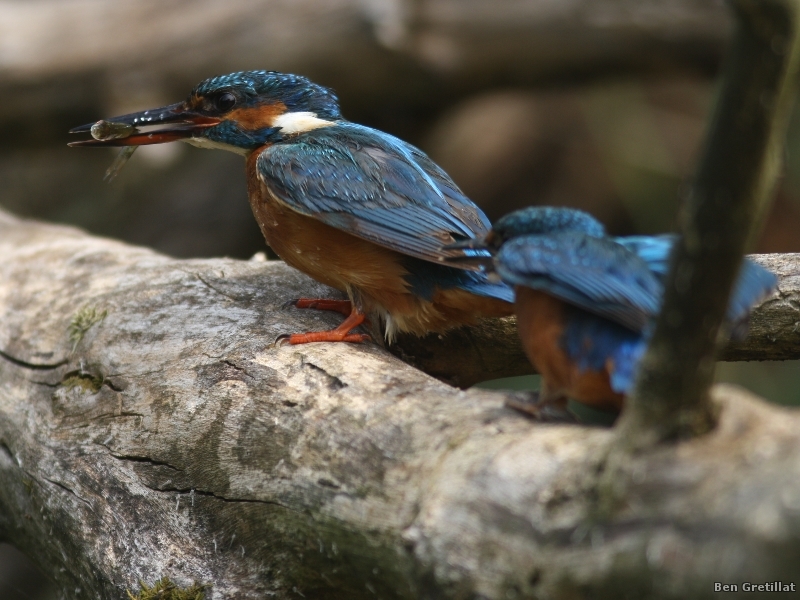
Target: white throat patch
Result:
[300, 122]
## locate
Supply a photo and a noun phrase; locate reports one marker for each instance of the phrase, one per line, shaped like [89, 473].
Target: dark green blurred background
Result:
[597, 104]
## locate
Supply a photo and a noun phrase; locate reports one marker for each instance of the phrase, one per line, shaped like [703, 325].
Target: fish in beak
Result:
[180, 122]
[125, 131]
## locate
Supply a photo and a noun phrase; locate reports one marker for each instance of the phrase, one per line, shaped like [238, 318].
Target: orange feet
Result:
[340, 334]
[344, 307]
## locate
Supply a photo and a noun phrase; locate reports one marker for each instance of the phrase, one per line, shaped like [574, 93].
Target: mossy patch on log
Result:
[164, 589]
[84, 381]
[82, 322]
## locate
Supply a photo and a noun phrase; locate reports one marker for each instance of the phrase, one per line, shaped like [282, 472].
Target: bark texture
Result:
[149, 429]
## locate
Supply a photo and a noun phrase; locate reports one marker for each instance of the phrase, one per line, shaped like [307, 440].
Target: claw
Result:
[339, 334]
[282, 340]
[548, 410]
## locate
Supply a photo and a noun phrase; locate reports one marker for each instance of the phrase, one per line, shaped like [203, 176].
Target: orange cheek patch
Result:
[257, 117]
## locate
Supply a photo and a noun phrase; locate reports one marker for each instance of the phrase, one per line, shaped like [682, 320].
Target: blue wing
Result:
[753, 284]
[374, 186]
[425, 277]
[594, 274]
[653, 249]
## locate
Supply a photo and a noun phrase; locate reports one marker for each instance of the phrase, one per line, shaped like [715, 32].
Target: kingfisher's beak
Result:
[181, 123]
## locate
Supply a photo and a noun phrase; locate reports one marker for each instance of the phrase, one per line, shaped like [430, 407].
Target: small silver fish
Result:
[119, 162]
[108, 130]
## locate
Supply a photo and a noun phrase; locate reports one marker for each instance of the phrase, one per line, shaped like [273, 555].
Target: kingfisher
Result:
[586, 302]
[353, 207]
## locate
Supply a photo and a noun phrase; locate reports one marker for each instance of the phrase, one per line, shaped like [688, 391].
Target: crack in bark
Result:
[141, 459]
[238, 368]
[334, 382]
[208, 494]
[34, 366]
[55, 385]
[220, 292]
[191, 491]
[5, 449]
[108, 383]
[116, 415]
[64, 487]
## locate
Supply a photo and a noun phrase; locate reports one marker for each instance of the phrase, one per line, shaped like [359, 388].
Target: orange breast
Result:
[540, 320]
[327, 254]
[370, 274]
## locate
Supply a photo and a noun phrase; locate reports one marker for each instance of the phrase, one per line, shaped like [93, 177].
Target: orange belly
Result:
[540, 320]
[373, 276]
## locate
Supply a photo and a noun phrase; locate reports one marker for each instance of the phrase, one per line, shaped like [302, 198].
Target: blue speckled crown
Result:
[546, 219]
[297, 92]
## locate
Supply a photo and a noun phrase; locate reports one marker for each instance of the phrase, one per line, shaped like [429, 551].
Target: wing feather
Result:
[374, 186]
[594, 274]
[753, 284]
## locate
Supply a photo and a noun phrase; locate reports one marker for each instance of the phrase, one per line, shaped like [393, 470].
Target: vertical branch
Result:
[733, 183]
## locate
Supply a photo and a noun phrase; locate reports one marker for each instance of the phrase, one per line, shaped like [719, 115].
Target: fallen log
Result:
[149, 429]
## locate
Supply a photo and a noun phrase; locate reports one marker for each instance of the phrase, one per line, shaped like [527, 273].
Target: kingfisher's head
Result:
[238, 112]
[542, 220]
[533, 220]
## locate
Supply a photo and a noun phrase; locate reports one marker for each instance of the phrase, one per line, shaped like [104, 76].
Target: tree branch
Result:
[176, 442]
[734, 181]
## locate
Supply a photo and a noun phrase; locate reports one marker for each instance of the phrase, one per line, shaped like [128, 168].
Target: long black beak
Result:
[124, 130]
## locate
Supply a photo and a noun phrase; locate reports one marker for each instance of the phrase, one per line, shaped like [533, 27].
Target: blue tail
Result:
[753, 285]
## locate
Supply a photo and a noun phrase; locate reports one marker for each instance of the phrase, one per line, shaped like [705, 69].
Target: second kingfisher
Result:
[353, 207]
[586, 302]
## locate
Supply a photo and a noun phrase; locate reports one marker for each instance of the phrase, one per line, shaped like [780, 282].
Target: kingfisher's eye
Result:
[225, 101]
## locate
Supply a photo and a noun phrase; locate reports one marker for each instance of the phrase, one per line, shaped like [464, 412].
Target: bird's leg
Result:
[544, 405]
[344, 307]
[340, 334]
